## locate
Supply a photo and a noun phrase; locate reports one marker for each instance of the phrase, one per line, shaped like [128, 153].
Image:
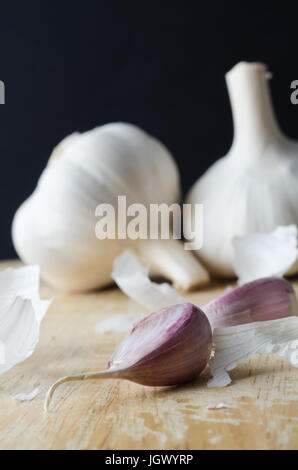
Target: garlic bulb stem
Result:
[104, 374]
[253, 116]
[168, 258]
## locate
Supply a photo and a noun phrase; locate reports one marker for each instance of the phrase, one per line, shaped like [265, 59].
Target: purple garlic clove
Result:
[169, 347]
[265, 299]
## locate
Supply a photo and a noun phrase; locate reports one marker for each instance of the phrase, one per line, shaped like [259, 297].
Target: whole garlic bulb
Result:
[254, 188]
[55, 226]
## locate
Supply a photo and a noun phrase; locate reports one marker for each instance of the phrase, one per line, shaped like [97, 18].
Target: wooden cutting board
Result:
[261, 404]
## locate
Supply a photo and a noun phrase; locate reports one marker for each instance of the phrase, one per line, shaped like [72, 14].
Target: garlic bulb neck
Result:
[255, 126]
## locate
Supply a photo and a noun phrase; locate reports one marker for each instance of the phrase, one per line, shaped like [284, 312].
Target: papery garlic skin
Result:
[236, 343]
[254, 188]
[55, 227]
[276, 253]
[261, 300]
[26, 396]
[21, 314]
[133, 279]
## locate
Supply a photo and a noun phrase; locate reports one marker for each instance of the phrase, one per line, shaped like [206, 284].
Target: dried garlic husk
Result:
[260, 255]
[132, 277]
[21, 313]
[235, 343]
[27, 396]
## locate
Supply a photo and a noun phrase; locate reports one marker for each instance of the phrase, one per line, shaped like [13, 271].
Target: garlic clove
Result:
[168, 347]
[260, 255]
[55, 227]
[257, 180]
[235, 343]
[260, 300]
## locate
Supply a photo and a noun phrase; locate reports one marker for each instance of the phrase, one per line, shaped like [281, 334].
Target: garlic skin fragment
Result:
[21, 313]
[55, 227]
[256, 182]
[133, 279]
[219, 406]
[27, 396]
[235, 343]
[260, 255]
[169, 347]
[121, 323]
[261, 300]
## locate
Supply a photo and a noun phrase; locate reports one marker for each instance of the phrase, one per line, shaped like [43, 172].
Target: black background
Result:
[73, 65]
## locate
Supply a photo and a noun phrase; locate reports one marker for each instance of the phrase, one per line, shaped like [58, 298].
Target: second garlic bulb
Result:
[254, 188]
[55, 227]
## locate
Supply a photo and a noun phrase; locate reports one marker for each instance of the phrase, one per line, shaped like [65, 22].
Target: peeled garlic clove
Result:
[257, 180]
[55, 227]
[260, 300]
[168, 347]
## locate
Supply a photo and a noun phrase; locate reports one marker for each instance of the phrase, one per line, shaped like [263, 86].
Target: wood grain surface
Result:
[262, 402]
